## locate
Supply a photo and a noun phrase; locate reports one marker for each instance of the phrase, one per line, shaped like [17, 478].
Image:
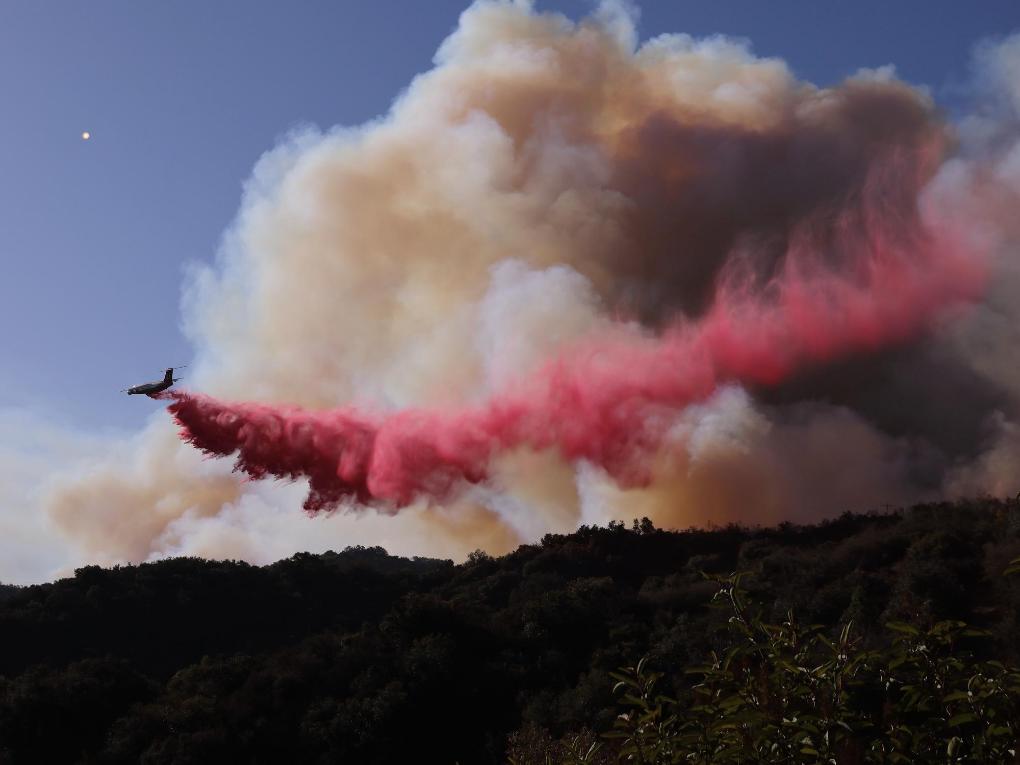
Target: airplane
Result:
[152, 388]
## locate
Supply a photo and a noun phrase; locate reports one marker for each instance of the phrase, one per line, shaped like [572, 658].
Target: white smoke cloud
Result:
[31, 549]
[524, 194]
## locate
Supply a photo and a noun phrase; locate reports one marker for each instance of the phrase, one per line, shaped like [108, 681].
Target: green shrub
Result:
[795, 693]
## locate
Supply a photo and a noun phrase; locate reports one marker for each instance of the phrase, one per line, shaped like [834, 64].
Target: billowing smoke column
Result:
[569, 278]
[611, 402]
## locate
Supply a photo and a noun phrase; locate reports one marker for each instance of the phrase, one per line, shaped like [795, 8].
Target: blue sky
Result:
[181, 99]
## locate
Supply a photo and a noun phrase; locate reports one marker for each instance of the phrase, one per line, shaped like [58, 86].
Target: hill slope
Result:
[363, 657]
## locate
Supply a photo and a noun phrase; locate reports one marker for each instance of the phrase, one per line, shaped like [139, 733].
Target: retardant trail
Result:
[609, 402]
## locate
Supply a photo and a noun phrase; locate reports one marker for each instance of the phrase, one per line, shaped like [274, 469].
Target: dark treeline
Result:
[363, 657]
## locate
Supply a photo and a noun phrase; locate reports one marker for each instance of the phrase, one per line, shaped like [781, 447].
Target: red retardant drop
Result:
[609, 402]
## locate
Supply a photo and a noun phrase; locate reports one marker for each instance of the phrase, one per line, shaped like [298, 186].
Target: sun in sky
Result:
[85, 135]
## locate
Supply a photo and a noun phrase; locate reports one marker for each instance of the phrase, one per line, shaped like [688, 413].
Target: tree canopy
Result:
[359, 656]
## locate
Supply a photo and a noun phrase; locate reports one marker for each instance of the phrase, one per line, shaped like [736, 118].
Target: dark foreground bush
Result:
[789, 693]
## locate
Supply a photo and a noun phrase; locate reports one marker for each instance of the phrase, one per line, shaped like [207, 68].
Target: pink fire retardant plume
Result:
[610, 402]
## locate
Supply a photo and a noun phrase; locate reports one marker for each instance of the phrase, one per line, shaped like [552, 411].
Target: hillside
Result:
[363, 657]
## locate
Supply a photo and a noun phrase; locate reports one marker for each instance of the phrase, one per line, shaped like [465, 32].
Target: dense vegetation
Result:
[366, 658]
[787, 693]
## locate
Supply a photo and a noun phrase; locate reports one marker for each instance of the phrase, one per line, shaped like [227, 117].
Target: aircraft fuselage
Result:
[152, 388]
[149, 389]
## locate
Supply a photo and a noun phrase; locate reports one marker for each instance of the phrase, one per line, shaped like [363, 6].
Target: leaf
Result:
[972, 632]
[954, 742]
[904, 628]
[961, 719]
[957, 696]
[699, 670]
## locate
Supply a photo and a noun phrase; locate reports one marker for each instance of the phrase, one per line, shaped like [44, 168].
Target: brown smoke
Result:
[545, 182]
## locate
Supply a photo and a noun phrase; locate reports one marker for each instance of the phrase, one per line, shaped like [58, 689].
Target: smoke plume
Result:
[569, 278]
[610, 402]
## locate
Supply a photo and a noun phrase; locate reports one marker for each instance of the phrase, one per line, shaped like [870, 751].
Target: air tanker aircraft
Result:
[152, 388]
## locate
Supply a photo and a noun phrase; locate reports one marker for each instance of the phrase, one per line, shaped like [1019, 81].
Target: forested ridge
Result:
[363, 657]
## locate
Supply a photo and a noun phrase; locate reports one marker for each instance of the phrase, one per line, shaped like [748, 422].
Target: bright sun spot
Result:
[86, 135]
